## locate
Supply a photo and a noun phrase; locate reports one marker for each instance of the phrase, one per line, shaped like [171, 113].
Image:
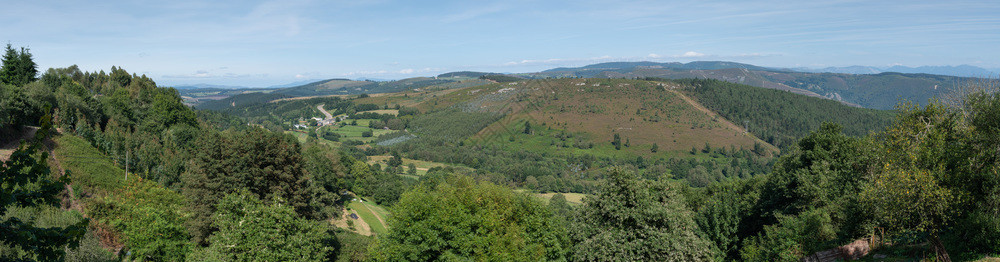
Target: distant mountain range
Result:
[860, 86]
[961, 70]
[882, 90]
[212, 86]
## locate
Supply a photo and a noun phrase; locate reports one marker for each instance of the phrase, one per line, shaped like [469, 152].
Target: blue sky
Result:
[261, 43]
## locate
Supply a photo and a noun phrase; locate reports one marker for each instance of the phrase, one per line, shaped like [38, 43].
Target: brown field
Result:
[643, 112]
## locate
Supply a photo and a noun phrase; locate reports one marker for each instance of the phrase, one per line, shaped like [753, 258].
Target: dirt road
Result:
[327, 114]
[721, 119]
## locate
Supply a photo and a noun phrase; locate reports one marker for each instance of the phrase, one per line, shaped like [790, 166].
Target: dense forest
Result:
[780, 117]
[113, 167]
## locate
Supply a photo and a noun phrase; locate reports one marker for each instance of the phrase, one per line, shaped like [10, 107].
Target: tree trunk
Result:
[938, 247]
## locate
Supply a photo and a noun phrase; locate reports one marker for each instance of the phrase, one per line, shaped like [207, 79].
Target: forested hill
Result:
[878, 91]
[782, 118]
[332, 87]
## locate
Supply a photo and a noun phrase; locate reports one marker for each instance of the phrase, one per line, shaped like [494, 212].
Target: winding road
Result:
[328, 115]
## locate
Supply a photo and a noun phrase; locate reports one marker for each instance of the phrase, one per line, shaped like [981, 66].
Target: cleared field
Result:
[581, 116]
[366, 213]
[422, 166]
[383, 111]
[353, 132]
[87, 166]
[572, 198]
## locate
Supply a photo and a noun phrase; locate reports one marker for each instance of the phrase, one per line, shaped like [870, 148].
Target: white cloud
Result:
[366, 73]
[407, 71]
[299, 76]
[691, 54]
[654, 56]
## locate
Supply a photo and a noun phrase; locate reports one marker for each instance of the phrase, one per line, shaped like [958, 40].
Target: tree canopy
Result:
[461, 219]
[633, 219]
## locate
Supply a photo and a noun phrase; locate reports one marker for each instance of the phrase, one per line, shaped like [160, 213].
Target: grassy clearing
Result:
[302, 139]
[132, 210]
[572, 198]
[87, 166]
[366, 213]
[353, 132]
[381, 211]
[383, 111]
[422, 166]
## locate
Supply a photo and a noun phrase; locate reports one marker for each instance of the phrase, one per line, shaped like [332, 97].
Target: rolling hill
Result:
[335, 87]
[878, 91]
[642, 113]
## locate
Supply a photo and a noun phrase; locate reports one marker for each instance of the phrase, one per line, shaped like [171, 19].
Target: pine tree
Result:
[27, 69]
[10, 61]
[18, 67]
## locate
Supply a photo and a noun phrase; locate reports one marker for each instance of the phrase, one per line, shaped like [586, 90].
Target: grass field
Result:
[422, 166]
[353, 132]
[383, 111]
[87, 166]
[367, 212]
[302, 139]
[572, 198]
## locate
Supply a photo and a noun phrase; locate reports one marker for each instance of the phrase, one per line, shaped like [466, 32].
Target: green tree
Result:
[18, 67]
[632, 219]
[14, 108]
[460, 219]
[252, 230]
[654, 148]
[411, 169]
[724, 214]
[527, 127]
[617, 141]
[561, 207]
[266, 164]
[395, 160]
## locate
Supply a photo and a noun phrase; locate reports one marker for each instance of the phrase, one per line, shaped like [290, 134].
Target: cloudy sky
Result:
[253, 43]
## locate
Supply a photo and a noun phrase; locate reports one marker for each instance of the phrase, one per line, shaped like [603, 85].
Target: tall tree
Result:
[18, 67]
[632, 219]
[266, 164]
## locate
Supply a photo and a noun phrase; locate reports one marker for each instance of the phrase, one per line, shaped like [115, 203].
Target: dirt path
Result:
[380, 220]
[723, 120]
[360, 226]
[69, 200]
[327, 114]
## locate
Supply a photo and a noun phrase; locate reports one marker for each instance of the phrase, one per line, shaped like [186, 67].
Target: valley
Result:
[751, 171]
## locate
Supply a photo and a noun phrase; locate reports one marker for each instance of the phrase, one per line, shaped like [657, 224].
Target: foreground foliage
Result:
[24, 234]
[252, 230]
[632, 219]
[457, 218]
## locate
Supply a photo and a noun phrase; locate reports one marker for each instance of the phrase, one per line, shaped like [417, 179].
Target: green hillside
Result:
[878, 91]
[782, 118]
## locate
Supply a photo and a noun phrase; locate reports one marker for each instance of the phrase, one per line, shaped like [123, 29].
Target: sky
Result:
[263, 43]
